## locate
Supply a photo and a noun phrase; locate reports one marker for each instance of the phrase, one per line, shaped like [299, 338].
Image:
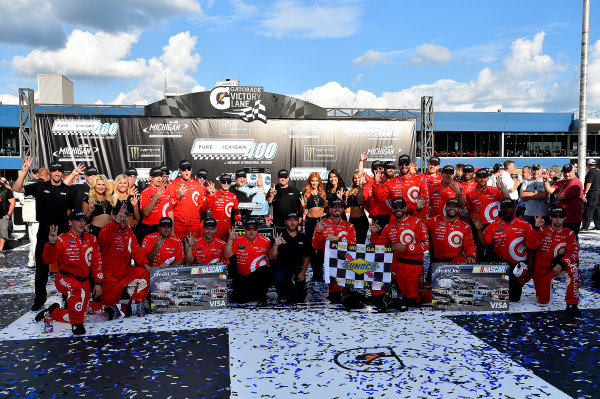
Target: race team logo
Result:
[145, 153]
[518, 249]
[455, 239]
[380, 359]
[81, 153]
[242, 101]
[168, 129]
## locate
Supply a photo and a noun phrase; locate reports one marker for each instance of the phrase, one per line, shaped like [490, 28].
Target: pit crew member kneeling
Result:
[253, 276]
[162, 248]
[78, 257]
[556, 253]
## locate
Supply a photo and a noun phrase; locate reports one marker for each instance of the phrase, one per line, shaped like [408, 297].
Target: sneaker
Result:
[335, 297]
[573, 310]
[78, 329]
[37, 306]
[112, 312]
[2, 256]
[380, 303]
[50, 309]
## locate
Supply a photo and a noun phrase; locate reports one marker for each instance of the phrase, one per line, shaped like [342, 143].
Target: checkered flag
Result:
[359, 265]
[253, 113]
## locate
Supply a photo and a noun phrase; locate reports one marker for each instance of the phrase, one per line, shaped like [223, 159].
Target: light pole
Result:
[582, 142]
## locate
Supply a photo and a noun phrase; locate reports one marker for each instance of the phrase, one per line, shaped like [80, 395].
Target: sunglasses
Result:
[187, 168]
[558, 216]
[404, 163]
[251, 228]
[225, 181]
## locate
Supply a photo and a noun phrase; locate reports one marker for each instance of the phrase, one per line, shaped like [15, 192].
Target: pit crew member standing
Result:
[156, 203]
[508, 236]
[223, 206]
[190, 194]
[162, 248]
[408, 238]
[78, 257]
[441, 192]
[556, 252]
[253, 276]
[378, 211]
[333, 229]
[206, 249]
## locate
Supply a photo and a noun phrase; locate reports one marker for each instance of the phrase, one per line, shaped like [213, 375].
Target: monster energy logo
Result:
[145, 153]
[134, 153]
[320, 153]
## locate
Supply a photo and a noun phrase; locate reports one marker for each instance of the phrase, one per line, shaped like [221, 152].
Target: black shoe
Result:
[379, 301]
[37, 306]
[335, 297]
[50, 309]
[112, 312]
[573, 310]
[78, 329]
[353, 301]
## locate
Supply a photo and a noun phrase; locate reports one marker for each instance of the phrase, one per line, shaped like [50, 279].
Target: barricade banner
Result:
[188, 288]
[358, 265]
[470, 287]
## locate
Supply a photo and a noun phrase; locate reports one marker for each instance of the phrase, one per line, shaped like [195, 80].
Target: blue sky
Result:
[470, 55]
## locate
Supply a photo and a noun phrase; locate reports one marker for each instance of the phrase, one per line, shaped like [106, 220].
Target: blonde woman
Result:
[126, 195]
[358, 216]
[98, 205]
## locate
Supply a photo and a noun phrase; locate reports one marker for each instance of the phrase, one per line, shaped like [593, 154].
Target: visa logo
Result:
[499, 305]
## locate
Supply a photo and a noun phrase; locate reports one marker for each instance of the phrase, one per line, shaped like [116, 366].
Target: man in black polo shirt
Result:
[290, 253]
[285, 199]
[590, 199]
[54, 200]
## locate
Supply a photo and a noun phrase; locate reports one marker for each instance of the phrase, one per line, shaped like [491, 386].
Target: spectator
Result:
[591, 209]
[534, 196]
[568, 194]
[7, 207]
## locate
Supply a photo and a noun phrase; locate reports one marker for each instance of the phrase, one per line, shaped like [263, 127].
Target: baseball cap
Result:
[389, 165]
[568, 167]
[131, 171]
[250, 222]
[536, 166]
[210, 222]
[77, 215]
[506, 202]
[166, 221]
[558, 211]
[91, 171]
[448, 169]
[591, 162]
[164, 170]
[154, 172]
[336, 203]
[498, 167]
[202, 173]
[184, 163]
[483, 172]
[468, 169]
[403, 159]
[292, 215]
[435, 160]
[376, 165]
[56, 166]
[225, 177]
[240, 173]
[398, 203]
[453, 201]
[283, 173]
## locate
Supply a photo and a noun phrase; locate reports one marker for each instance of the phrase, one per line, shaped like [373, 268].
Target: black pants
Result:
[41, 268]
[361, 225]
[286, 284]
[591, 210]
[253, 286]
[316, 261]
[382, 220]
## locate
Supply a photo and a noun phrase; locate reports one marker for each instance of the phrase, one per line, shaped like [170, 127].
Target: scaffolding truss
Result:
[27, 124]
[426, 130]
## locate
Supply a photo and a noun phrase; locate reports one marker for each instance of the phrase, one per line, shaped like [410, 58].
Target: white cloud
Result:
[85, 55]
[9, 99]
[507, 88]
[593, 74]
[371, 57]
[30, 23]
[292, 18]
[357, 78]
[431, 53]
[175, 64]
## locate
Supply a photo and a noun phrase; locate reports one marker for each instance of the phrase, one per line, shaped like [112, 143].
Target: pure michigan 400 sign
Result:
[187, 288]
[358, 265]
[243, 149]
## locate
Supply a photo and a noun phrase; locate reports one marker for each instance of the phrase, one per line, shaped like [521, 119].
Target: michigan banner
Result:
[358, 265]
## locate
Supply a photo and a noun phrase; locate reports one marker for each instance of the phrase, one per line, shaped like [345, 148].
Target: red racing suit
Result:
[251, 255]
[410, 187]
[439, 194]
[484, 203]
[374, 207]
[172, 247]
[431, 179]
[186, 210]
[555, 247]
[209, 251]
[467, 188]
[223, 205]
[407, 264]
[117, 247]
[161, 208]
[344, 231]
[78, 258]
[509, 239]
[452, 241]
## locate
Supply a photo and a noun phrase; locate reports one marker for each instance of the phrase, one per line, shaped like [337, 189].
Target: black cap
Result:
[376, 165]
[154, 172]
[131, 171]
[91, 171]
[448, 169]
[536, 166]
[389, 165]
[568, 167]
[164, 170]
[507, 202]
[453, 201]
[468, 169]
[283, 173]
[483, 172]
[56, 166]
[292, 215]
[210, 222]
[435, 160]
[225, 177]
[498, 167]
[240, 173]
[336, 203]
[398, 203]
[184, 163]
[77, 215]
[202, 173]
[166, 221]
[250, 222]
[403, 159]
[558, 211]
